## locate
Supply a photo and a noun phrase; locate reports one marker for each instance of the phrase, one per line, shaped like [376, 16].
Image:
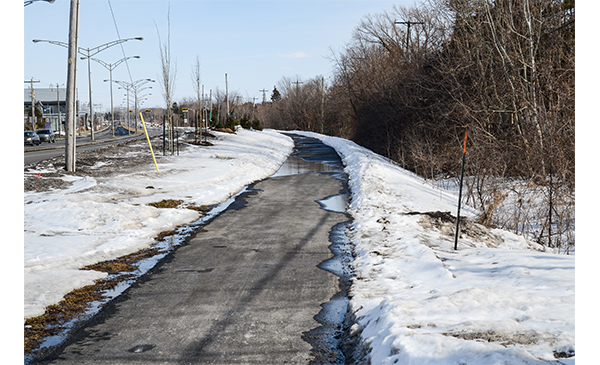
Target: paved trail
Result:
[244, 290]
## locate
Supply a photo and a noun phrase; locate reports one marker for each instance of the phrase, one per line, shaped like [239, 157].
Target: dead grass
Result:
[225, 130]
[173, 203]
[203, 209]
[57, 315]
[167, 203]
[79, 300]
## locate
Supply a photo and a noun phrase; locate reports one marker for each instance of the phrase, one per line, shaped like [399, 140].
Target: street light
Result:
[29, 2]
[135, 87]
[110, 67]
[87, 53]
[136, 91]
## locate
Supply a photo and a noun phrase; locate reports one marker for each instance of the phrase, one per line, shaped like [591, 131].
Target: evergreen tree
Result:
[275, 96]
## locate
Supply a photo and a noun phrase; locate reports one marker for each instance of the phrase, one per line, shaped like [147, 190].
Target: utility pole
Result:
[90, 92]
[202, 117]
[408, 24]
[32, 102]
[209, 113]
[226, 98]
[58, 105]
[71, 85]
[264, 91]
[322, 103]
[297, 82]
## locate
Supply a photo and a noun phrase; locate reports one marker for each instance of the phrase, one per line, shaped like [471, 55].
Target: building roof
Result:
[45, 94]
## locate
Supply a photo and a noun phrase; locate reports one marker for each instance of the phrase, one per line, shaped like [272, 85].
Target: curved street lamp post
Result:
[110, 67]
[87, 53]
[135, 87]
[29, 2]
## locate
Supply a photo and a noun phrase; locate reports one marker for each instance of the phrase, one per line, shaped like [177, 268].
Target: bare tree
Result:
[168, 75]
[196, 79]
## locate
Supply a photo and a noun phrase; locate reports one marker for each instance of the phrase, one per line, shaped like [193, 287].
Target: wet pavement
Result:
[262, 283]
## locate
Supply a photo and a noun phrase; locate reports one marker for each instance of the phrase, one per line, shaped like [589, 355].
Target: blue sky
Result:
[256, 42]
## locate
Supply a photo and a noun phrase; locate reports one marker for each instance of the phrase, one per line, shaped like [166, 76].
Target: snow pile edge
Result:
[498, 299]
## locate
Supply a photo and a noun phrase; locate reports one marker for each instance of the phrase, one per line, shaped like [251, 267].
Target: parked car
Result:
[32, 138]
[46, 135]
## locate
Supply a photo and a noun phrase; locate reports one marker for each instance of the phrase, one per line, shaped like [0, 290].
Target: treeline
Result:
[412, 80]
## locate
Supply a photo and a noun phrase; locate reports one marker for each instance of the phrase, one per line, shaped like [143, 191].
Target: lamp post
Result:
[87, 53]
[132, 86]
[110, 67]
[136, 90]
[128, 110]
[29, 2]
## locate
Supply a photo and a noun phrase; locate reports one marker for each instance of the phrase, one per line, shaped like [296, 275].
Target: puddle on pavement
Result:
[335, 203]
[312, 156]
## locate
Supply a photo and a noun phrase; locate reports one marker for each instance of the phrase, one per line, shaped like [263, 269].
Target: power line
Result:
[119, 35]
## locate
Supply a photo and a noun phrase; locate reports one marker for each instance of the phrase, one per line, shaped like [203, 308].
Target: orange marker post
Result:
[462, 172]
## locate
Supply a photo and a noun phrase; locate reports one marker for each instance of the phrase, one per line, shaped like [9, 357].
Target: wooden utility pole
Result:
[297, 82]
[408, 24]
[322, 103]
[32, 95]
[71, 84]
[226, 98]
[210, 109]
[264, 91]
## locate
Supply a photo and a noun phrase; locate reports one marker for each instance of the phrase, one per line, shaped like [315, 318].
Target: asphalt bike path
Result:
[250, 287]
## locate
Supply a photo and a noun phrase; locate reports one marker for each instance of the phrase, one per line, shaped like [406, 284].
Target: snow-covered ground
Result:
[497, 300]
[98, 219]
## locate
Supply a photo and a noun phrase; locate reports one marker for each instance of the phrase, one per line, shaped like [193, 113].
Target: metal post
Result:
[462, 172]
[128, 112]
[112, 111]
[135, 107]
[90, 91]
[201, 116]
[58, 105]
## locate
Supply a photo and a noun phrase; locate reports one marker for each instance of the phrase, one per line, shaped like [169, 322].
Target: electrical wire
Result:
[119, 35]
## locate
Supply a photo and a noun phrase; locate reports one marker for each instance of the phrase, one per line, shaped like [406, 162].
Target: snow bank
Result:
[499, 299]
[104, 218]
